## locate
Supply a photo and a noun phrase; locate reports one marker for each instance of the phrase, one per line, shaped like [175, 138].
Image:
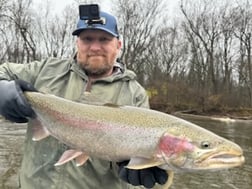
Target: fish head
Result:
[197, 149]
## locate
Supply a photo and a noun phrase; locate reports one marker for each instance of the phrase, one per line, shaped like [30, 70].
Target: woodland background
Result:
[199, 59]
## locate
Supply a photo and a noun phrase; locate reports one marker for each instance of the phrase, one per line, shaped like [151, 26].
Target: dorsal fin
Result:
[112, 105]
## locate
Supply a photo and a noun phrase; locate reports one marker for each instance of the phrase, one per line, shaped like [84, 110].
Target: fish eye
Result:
[205, 144]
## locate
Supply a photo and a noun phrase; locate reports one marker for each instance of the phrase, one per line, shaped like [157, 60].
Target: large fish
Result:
[145, 137]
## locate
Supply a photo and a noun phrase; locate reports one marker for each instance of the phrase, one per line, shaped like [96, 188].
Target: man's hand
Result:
[13, 104]
[147, 177]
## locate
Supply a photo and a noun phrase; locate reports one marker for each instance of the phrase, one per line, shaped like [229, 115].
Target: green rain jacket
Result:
[64, 78]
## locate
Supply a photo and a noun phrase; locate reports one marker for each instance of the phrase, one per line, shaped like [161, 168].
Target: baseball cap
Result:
[109, 25]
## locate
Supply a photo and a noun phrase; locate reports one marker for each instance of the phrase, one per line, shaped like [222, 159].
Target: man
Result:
[94, 69]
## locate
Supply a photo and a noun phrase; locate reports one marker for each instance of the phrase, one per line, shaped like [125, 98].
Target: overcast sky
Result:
[58, 5]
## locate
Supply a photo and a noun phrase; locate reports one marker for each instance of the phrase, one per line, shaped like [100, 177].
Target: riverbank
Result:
[232, 113]
[240, 114]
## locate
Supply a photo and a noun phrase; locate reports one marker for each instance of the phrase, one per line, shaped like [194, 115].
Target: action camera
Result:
[90, 13]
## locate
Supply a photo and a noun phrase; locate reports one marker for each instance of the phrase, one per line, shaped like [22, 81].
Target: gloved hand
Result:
[13, 104]
[146, 177]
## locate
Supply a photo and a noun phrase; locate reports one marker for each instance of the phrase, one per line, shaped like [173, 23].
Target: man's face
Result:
[97, 52]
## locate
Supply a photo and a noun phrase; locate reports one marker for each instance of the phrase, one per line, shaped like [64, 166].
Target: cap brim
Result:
[78, 31]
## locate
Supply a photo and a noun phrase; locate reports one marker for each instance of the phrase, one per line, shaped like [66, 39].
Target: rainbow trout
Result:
[116, 133]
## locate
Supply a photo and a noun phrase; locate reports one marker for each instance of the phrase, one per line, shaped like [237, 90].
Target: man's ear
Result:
[119, 44]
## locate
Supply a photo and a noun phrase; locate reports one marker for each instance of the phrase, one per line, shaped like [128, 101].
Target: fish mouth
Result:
[221, 160]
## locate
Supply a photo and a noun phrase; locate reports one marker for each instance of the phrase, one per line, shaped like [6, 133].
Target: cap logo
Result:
[90, 23]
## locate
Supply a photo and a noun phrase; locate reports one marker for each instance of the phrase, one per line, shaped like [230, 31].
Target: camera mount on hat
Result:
[91, 14]
[92, 18]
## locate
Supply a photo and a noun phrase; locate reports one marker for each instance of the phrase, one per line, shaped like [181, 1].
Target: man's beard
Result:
[93, 69]
[96, 72]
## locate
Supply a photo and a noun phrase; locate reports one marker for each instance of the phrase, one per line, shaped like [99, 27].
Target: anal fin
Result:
[81, 159]
[69, 155]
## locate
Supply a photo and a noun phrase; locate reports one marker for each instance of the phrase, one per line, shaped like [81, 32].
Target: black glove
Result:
[147, 177]
[13, 104]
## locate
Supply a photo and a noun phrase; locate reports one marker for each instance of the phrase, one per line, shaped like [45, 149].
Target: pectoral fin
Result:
[169, 181]
[142, 163]
[69, 155]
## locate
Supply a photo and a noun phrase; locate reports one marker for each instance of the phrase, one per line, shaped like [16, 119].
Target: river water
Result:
[239, 131]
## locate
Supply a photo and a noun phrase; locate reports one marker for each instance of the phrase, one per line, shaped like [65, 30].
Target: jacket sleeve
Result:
[27, 72]
[142, 99]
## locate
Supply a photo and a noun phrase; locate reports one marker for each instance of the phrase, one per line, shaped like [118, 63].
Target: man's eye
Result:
[87, 39]
[91, 39]
[104, 39]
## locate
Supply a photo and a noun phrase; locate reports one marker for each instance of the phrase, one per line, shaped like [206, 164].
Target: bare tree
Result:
[3, 26]
[170, 55]
[138, 23]
[243, 27]
[205, 27]
[55, 32]
[22, 19]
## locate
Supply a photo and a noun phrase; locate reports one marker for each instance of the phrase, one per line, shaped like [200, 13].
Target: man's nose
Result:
[95, 45]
